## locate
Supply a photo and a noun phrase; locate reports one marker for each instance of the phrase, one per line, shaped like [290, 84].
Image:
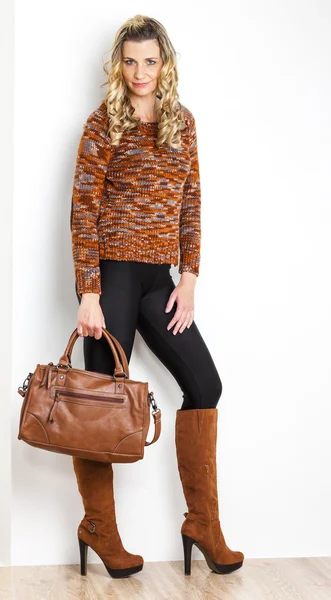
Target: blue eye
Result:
[130, 61]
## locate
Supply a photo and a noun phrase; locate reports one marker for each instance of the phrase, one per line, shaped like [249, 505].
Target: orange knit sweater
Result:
[135, 201]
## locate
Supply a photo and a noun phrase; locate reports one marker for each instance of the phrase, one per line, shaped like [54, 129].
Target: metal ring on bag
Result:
[69, 366]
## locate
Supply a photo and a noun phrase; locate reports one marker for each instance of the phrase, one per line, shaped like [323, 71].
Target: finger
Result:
[170, 302]
[175, 318]
[180, 322]
[191, 318]
[190, 322]
[187, 320]
[97, 333]
[90, 330]
[82, 328]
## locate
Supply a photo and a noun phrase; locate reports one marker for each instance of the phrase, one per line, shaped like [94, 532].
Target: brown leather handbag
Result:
[88, 414]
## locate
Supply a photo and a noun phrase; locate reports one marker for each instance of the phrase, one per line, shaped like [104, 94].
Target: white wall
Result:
[6, 349]
[257, 78]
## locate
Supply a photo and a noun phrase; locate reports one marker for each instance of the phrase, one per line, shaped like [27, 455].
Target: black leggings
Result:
[134, 296]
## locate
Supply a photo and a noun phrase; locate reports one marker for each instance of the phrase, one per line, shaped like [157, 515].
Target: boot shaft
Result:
[196, 440]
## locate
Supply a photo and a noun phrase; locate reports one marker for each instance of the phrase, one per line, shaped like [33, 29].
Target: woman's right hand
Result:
[90, 316]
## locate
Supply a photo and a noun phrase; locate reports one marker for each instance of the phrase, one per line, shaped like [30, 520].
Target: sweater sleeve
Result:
[91, 167]
[190, 214]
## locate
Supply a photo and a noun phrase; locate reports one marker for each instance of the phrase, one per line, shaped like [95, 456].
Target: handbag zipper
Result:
[59, 393]
[91, 396]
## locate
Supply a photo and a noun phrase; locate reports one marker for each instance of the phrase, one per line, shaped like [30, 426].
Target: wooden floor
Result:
[258, 579]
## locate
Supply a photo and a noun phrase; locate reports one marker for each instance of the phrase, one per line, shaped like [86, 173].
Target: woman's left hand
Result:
[183, 294]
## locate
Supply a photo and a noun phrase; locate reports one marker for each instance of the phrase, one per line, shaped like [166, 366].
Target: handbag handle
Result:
[120, 350]
[121, 366]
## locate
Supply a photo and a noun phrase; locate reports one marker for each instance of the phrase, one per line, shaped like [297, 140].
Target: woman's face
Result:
[141, 65]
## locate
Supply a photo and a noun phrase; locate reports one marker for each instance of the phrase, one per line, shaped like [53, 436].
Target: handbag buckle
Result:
[153, 403]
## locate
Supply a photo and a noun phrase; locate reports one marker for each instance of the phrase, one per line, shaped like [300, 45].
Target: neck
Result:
[144, 108]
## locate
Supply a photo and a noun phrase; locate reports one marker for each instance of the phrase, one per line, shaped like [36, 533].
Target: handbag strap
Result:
[121, 366]
[157, 426]
[121, 352]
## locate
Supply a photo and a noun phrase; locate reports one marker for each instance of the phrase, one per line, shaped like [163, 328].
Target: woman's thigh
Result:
[185, 354]
[119, 301]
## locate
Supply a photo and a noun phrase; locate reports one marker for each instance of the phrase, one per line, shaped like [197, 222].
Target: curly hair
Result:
[170, 116]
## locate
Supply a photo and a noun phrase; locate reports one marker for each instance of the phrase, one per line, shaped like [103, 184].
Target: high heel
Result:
[216, 567]
[83, 546]
[116, 573]
[196, 437]
[187, 544]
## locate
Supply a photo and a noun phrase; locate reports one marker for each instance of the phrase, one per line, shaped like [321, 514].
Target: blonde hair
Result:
[120, 111]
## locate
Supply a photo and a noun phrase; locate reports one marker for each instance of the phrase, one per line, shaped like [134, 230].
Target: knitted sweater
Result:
[135, 201]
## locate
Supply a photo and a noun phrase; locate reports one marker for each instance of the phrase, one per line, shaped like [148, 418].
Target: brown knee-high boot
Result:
[98, 528]
[196, 437]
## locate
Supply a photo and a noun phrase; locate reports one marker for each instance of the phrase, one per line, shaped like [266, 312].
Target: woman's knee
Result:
[212, 395]
[205, 397]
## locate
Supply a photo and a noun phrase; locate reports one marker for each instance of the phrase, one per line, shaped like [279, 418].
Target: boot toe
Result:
[238, 556]
[137, 559]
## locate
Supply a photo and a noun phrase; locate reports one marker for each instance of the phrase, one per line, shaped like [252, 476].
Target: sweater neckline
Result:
[148, 122]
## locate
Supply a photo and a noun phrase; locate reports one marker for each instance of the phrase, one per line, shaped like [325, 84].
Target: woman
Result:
[136, 201]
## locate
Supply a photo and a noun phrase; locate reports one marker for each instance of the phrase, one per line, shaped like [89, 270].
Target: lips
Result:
[140, 84]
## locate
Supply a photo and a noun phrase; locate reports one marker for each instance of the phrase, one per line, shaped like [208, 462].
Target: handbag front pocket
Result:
[85, 400]
[82, 419]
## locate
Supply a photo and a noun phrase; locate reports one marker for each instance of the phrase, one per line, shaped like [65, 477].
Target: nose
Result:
[139, 72]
